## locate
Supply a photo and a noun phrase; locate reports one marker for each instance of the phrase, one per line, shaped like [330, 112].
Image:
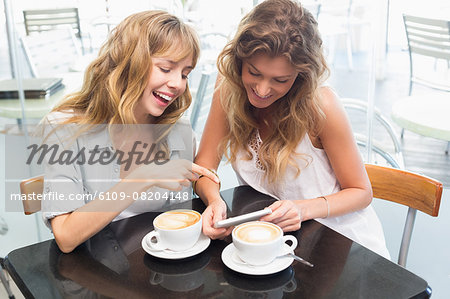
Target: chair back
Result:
[30, 188]
[430, 38]
[38, 20]
[390, 151]
[413, 190]
[51, 53]
[202, 100]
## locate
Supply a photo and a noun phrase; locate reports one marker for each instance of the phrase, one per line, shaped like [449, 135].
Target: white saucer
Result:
[200, 246]
[230, 259]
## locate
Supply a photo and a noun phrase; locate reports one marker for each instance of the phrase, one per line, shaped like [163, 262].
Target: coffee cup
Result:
[176, 230]
[259, 243]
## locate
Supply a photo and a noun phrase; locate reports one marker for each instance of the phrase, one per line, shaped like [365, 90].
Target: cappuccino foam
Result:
[257, 233]
[177, 219]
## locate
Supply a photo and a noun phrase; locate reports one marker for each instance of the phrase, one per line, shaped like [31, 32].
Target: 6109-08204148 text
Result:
[103, 196]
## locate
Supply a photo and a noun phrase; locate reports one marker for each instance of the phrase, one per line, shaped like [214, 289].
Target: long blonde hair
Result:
[115, 80]
[275, 28]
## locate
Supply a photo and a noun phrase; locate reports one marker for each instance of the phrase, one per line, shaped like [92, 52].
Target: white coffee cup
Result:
[259, 243]
[176, 230]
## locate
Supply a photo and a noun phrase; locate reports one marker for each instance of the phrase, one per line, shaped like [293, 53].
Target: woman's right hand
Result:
[217, 210]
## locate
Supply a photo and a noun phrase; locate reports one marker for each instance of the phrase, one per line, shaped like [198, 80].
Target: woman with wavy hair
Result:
[284, 132]
[138, 79]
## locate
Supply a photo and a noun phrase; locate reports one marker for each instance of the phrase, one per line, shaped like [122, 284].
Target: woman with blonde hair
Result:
[137, 82]
[284, 132]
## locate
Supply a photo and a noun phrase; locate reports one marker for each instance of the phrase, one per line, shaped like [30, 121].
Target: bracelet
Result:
[328, 206]
[213, 171]
[194, 183]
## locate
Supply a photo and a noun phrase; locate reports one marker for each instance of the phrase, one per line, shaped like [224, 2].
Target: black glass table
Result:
[113, 264]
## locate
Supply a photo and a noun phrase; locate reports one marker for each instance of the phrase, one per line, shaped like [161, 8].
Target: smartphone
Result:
[242, 218]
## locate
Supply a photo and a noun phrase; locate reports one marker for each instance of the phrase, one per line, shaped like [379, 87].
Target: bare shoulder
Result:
[329, 100]
[336, 121]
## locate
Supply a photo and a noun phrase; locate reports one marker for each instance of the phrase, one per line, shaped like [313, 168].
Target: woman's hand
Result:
[172, 175]
[215, 211]
[286, 214]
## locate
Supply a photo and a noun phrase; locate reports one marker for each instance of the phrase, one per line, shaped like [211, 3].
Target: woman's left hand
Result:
[286, 214]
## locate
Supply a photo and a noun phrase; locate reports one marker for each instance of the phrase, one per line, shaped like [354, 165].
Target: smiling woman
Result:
[167, 81]
[284, 133]
[140, 49]
[266, 80]
[138, 79]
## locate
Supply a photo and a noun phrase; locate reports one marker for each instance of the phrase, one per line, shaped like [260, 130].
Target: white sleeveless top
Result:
[315, 179]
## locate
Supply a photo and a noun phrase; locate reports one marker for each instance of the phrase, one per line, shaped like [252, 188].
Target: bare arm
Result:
[337, 140]
[72, 229]
[339, 144]
[209, 156]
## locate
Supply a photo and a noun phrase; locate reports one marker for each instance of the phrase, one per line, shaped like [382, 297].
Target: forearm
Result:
[207, 190]
[210, 152]
[343, 202]
[216, 208]
[72, 229]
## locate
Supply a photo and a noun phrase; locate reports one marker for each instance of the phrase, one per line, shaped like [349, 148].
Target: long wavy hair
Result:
[115, 81]
[275, 28]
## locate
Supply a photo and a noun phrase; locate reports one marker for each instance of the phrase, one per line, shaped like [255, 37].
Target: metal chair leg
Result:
[5, 282]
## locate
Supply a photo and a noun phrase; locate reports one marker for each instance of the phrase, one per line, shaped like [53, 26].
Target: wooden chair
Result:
[34, 185]
[29, 186]
[415, 191]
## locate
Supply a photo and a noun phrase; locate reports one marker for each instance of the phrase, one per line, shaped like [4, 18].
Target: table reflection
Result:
[178, 276]
[264, 286]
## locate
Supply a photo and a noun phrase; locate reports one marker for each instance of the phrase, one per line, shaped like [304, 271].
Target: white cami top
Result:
[316, 178]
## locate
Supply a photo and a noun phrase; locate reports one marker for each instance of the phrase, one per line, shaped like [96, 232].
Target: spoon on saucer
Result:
[238, 260]
[297, 258]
